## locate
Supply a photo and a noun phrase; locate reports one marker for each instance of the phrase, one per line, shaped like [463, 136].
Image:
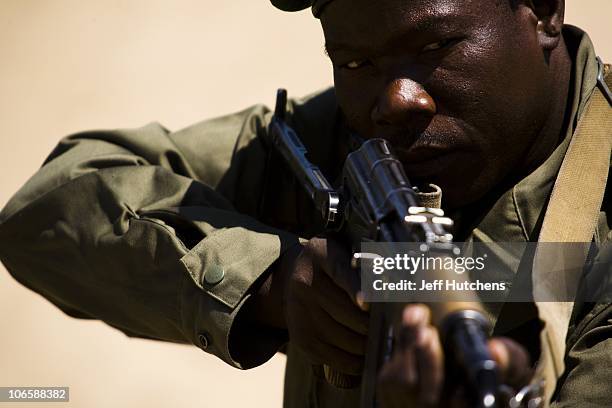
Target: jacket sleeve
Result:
[150, 231]
[586, 381]
[588, 359]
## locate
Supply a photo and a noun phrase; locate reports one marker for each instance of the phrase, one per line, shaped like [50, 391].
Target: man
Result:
[184, 237]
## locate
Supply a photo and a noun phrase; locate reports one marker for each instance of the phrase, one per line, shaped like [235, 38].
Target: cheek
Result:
[492, 85]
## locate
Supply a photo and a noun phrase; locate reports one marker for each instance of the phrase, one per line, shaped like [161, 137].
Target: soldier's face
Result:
[460, 88]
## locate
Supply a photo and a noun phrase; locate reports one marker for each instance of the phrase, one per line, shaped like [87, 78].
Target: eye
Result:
[355, 64]
[437, 45]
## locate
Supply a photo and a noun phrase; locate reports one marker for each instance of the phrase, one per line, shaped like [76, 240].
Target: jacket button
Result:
[203, 339]
[214, 274]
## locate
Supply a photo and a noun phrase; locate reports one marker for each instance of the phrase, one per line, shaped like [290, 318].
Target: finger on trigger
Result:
[341, 336]
[338, 304]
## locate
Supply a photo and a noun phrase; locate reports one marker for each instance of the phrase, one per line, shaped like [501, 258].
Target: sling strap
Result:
[571, 216]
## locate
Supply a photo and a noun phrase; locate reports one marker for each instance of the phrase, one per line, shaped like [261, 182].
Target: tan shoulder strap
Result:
[571, 216]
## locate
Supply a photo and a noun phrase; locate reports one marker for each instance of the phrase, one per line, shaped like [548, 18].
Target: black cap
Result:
[297, 5]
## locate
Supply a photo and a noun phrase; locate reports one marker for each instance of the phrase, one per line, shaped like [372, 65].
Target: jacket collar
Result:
[517, 215]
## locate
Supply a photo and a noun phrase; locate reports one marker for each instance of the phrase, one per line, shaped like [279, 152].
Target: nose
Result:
[403, 103]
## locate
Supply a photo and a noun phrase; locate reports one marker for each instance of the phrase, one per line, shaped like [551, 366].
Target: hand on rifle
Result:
[414, 377]
[312, 293]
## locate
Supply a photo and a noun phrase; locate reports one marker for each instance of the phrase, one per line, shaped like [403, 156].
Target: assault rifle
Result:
[377, 203]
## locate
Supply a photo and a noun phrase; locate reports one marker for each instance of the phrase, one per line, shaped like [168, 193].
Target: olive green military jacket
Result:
[165, 235]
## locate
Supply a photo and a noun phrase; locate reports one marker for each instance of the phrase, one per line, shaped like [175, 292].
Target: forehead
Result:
[357, 21]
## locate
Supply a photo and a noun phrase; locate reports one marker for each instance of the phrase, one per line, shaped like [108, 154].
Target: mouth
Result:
[428, 144]
[430, 152]
[420, 153]
[426, 158]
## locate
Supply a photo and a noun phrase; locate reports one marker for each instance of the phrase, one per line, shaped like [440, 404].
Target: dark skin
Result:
[429, 76]
[472, 95]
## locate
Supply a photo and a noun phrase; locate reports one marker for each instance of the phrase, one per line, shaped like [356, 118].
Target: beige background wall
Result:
[69, 65]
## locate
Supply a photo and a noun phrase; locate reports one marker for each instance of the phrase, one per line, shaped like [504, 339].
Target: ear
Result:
[549, 14]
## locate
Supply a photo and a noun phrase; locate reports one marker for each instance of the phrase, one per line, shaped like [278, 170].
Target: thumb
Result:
[513, 361]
